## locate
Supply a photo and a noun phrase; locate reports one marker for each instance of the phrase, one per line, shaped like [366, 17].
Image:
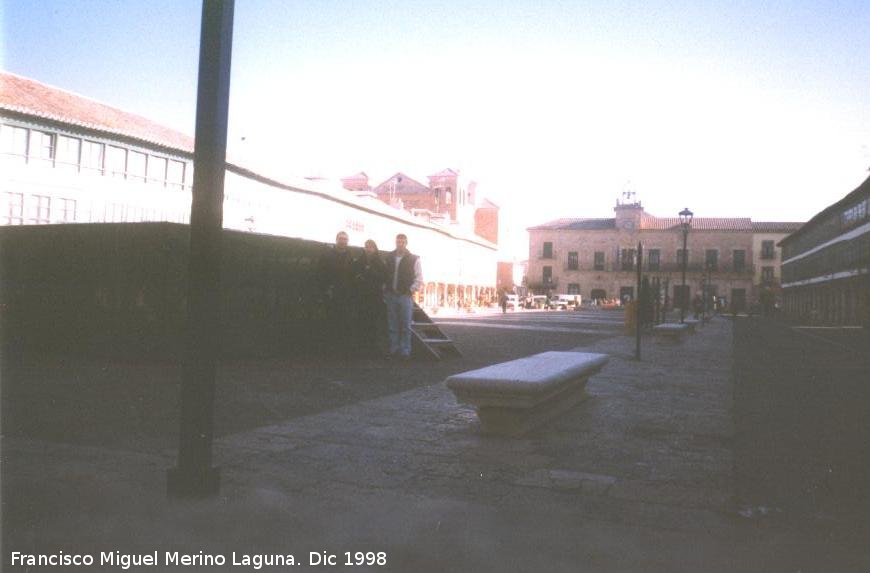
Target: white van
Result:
[565, 301]
[537, 301]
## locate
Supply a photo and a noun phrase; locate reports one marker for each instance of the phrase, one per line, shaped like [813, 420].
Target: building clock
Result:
[628, 225]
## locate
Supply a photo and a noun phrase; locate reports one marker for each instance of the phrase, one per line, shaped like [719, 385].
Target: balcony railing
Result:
[549, 284]
[701, 267]
[663, 268]
[736, 269]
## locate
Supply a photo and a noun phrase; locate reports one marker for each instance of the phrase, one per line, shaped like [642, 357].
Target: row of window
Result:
[856, 213]
[832, 226]
[39, 210]
[39, 147]
[33, 209]
[841, 256]
[626, 259]
[767, 276]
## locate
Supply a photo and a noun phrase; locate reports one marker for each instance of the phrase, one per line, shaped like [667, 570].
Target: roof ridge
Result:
[32, 97]
[87, 98]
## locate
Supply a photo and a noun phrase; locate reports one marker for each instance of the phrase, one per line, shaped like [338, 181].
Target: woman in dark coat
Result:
[370, 273]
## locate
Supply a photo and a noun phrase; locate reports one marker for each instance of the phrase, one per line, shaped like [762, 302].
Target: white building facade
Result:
[67, 159]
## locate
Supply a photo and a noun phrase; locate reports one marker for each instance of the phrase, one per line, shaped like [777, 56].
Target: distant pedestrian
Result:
[502, 301]
[370, 275]
[404, 277]
[697, 306]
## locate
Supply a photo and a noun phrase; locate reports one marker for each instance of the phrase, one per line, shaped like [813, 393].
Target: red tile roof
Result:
[403, 185]
[698, 223]
[775, 227]
[651, 223]
[360, 175]
[575, 225]
[29, 97]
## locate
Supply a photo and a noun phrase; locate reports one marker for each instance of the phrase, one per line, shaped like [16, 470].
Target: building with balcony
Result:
[597, 258]
[826, 264]
[768, 259]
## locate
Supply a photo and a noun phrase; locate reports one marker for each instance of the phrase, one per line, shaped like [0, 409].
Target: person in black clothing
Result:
[335, 281]
[370, 274]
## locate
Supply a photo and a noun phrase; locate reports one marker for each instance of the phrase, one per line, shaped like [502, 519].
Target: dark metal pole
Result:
[704, 287]
[659, 300]
[667, 298]
[194, 476]
[684, 295]
[639, 302]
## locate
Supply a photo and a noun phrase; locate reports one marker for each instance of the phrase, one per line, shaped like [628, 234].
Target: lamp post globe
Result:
[686, 217]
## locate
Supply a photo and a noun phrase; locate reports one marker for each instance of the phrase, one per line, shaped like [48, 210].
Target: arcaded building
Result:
[733, 258]
[826, 264]
[69, 159]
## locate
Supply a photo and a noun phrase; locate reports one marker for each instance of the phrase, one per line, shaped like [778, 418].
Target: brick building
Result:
[504, 278]
[826, 264]
[768, 259]
[596, 257]
[486, 221]
[449, 198]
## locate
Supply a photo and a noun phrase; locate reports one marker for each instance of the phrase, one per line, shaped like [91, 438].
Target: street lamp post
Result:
[704, 294]
[685, 223]
[667, 302]
[194, 476]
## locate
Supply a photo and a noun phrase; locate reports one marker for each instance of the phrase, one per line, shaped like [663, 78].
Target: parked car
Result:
[513, 302]
[565, 301]
[538, 301]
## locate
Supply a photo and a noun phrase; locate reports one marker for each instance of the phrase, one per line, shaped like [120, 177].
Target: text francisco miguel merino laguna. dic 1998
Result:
[178, 559]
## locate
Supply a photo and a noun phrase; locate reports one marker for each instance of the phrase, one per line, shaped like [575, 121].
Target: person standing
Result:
[404, 277]
[697, 306]
[370, 274]
[335, 281]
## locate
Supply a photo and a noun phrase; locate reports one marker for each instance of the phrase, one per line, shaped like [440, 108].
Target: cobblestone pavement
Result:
[639, 477]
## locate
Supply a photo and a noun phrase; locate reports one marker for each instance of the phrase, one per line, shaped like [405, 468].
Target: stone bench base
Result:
[514, 397]
[670, 331]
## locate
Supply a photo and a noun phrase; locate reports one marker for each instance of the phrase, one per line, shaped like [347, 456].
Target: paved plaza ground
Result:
[742, 448]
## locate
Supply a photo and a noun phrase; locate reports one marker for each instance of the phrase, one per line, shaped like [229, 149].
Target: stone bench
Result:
[514, 397]
[692, 324]
[670, 331]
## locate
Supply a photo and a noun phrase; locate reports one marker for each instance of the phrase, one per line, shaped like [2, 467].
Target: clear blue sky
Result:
[757, 109]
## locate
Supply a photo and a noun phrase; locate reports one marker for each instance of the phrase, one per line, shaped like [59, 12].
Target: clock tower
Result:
[629, 212]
